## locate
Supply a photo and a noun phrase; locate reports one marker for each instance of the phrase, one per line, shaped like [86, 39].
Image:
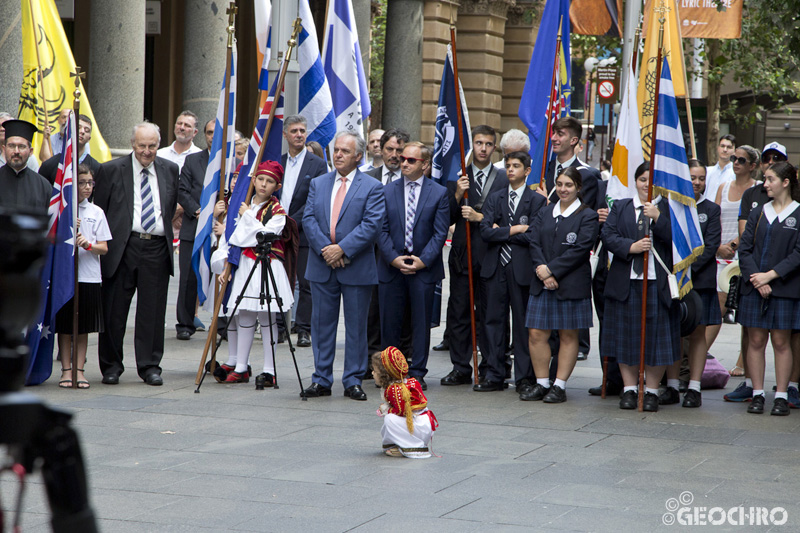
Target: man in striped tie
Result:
[410, 265]
[139, 194]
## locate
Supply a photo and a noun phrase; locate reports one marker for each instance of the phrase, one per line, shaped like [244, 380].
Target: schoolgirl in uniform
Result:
[704, 283]
[563, 236]
[264, 214]
[92, 239]
[769, 258]
[626, 236]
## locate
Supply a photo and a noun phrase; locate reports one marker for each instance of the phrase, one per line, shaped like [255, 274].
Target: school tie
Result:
[505, 250]
[638, 259]
[337, 206]
[411, 212]
[148, 209]
[479, 181]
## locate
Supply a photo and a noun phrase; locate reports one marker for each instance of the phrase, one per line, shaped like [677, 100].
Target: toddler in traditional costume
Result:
[408, 424]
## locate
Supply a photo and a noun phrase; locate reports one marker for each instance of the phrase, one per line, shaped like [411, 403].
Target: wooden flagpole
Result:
[212, 330]
[661, 9]
[76, 106]
[548, 129]
[470, 274]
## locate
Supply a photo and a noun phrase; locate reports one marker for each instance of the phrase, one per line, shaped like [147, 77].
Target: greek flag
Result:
[314, 98]
[537, 94]
[671, 179]
[201, 251]
[263, 19]
[344, 69]
[272, 152]
[446, 150]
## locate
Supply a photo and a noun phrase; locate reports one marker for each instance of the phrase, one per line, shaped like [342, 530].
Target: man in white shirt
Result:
[392, 143]
[185, 130]
[721, 172]
[514, 140]
[374, 158]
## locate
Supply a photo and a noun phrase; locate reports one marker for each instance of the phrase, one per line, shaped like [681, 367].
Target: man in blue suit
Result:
[342, 221]
[414, 231]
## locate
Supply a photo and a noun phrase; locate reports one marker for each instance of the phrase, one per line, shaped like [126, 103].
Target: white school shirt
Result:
[651, 260]
[94, 227]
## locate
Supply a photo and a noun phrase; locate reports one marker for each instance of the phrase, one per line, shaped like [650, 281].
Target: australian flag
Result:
[58, 276]
[446, 149]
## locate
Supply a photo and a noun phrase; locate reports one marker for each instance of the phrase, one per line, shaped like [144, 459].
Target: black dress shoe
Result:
[303, 339]
[508, 370]
[650, 403]
[184, 335]
[611, 390]
[756, 406]
[780, 407]
[692, 398]
[111, 379]
[282, 337]
[442, 346]
[525, 387]
[422, 383]
[456, 378]
[582, 356]
[355, 392]
[315, 390]
[668, 397]
[556, 395]
[629, 400]
[488, 386]
[154, 380]
[537, 393]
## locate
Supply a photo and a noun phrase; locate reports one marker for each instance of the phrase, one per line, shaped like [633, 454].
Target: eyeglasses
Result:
[740, 160]
[85, 184]
[410, 160]
[772, 158]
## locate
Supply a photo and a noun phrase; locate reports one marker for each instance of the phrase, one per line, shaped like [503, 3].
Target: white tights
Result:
[243, 338]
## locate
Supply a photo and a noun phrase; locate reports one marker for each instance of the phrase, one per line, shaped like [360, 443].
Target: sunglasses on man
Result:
[772, 158]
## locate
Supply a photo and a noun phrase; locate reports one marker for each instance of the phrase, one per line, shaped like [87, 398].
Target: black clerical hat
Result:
[19, 128]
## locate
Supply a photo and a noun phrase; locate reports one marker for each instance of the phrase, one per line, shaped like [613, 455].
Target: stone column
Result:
[434, 49]
[11, 52]
[481, 44]
[402, 77]
[522, 27]
[116, 68]
[205, 39]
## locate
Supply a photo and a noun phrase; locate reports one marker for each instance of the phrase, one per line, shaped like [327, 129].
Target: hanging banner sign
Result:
[700, 18]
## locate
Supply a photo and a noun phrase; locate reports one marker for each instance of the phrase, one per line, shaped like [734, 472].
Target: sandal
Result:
[736, 372]
[65, 383]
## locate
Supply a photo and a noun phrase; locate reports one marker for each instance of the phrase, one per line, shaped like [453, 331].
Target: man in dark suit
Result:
[342, 220]
[414, 230]
[564, 141]
[49, 168]
[507, 270]
[392, 143]
[139, 194]
[482, 179]
[190, 188]
[300, 167]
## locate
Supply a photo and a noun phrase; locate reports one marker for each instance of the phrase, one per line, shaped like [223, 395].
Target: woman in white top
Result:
[92, 240]
[729, 196]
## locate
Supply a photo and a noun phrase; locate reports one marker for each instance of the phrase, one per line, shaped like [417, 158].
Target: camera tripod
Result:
[267, 283]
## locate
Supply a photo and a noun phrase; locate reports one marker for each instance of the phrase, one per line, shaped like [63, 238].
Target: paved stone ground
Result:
[234, 459]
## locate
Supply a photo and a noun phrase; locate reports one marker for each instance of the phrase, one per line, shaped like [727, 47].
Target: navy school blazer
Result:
[704, 269]
[783, 255]
[565, 252]
[619, 233]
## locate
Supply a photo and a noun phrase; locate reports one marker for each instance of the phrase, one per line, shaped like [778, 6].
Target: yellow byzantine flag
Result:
[42, 30]
[672, 49]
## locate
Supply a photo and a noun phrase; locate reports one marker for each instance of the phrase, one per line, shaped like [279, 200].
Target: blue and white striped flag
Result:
[344, 69]
[272, 152]
[314, 99]
[446, 149]
[671, 179]
[263, 19]
[201, 251]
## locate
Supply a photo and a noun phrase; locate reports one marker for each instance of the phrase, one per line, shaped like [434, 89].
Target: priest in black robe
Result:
[20, 187]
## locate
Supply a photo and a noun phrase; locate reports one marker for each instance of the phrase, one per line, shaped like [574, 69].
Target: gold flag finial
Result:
[231, 11]
[78, 74]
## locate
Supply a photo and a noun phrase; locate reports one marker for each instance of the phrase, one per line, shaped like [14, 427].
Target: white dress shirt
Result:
[336, 185]
[385, 175]
[651, 260]
[291, 175]
[137, 198]
[716, 177]
[519, 192]
[169, 152]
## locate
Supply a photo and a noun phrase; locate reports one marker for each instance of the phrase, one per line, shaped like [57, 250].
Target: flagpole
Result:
[76, 106]
[41, 82]
[661, 9]
[548, 132]
[212, 330]
[231, 29]
[470, 274]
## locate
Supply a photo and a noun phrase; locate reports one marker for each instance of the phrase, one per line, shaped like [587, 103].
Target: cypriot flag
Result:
[628, 146]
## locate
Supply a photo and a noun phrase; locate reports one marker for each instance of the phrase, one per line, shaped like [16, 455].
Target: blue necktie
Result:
[505, 250]
[148, 209]
[410, 214]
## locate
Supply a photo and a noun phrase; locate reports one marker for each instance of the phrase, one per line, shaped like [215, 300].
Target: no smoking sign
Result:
[607, 85]
[606, 89]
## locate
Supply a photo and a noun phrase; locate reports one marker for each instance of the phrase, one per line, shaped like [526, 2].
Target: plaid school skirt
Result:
[621, 333]
[546, 311]
[711, 314]
[773, 313]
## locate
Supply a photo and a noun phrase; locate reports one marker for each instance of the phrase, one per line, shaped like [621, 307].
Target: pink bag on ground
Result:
[714, 375]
